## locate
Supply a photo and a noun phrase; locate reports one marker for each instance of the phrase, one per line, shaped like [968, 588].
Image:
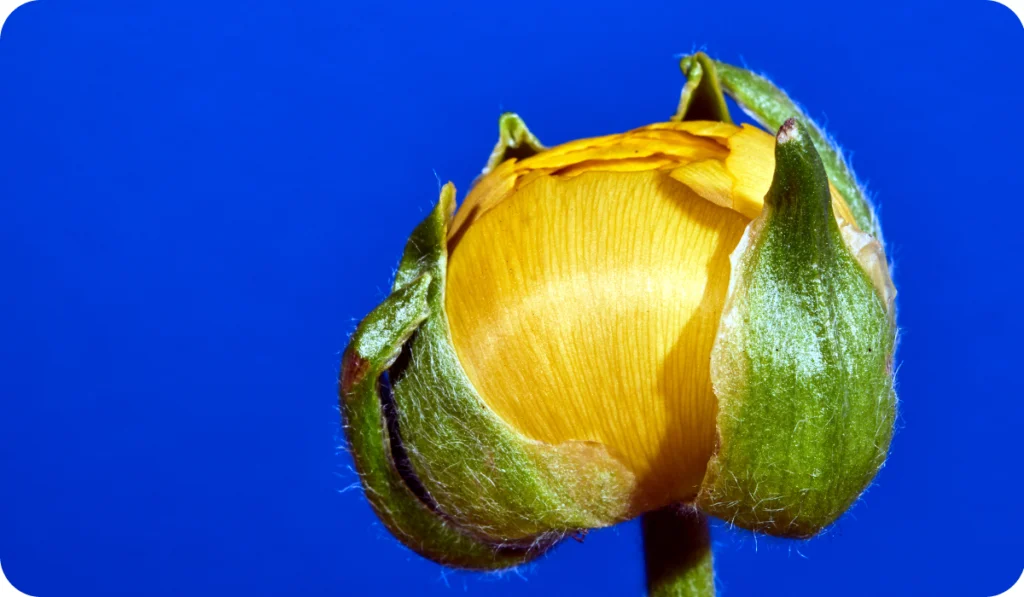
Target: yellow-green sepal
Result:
[514, 141]
[802, 365]
[701, 98]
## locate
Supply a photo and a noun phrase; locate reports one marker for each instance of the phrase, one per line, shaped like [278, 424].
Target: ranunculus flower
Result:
[689, 316]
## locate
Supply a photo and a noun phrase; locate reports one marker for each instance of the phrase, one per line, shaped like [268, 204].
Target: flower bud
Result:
[690, 312]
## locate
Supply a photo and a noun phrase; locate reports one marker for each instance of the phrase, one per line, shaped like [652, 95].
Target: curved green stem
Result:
[677, 552]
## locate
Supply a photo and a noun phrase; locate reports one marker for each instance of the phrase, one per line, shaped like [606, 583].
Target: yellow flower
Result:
[586, 283]
[690, 314]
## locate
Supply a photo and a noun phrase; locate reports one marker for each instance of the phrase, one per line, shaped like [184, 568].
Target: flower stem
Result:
[677, 550]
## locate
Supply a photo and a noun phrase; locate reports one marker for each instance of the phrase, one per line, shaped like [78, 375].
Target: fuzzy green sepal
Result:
[802, 365]
[475, 474]
[373, 348]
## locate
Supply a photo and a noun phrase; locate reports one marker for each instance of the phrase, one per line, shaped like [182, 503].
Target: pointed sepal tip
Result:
[514, 141]
[702, 97]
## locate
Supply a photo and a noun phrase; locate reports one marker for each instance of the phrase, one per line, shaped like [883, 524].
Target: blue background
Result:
[198, 201]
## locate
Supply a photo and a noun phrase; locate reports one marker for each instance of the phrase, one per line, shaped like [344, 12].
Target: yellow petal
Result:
[625, 147]
[652, 162]
[709, 179]
[751, 163]
[585, 309]
[742, 180]
[701, 128]
[656, 146]
[488, 191]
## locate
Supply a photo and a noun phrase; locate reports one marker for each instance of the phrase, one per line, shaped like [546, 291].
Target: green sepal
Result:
[477, 475]
[770, 107]
[802, 365]
[701, 98]
[373, 348]
[481, 472]
[514, 141]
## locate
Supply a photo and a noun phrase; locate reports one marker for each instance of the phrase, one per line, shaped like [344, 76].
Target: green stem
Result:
[677, 551]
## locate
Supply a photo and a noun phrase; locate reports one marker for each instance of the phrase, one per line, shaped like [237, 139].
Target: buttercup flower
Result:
[690, 317]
